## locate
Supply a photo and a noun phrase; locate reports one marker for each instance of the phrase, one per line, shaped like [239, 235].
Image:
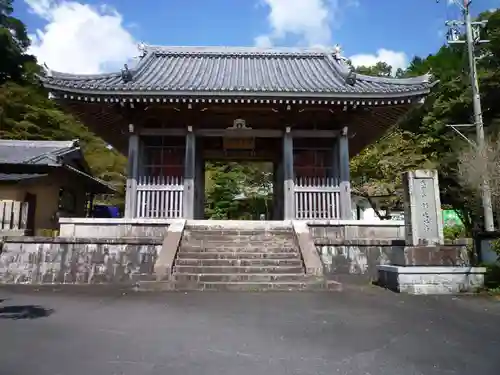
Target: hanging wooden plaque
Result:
[235, 143]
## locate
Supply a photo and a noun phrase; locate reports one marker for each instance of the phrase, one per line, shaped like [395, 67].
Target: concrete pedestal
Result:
[431, 279]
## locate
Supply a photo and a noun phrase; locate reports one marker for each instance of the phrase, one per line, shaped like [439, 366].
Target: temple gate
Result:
[166, 175]
[304, 110]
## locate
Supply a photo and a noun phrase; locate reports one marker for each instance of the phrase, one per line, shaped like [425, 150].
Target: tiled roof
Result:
[239, 71]
[34, 152]
[40, 154]
[15, 177]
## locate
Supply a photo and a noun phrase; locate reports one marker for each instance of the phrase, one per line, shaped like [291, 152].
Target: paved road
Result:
[359, 331]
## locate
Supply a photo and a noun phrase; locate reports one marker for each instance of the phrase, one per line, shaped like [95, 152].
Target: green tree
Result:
[252, 182]
[15, 64]
[224, 186]
[427, 139]
[27, 113]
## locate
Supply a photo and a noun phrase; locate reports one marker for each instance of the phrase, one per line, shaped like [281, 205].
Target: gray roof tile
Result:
[238, 70]
[34, 152]
[14, 177]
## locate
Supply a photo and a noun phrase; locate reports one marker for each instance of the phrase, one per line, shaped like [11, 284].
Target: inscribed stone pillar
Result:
[423, 219]
[189, 175]
[132, 174]
[288, 176]
[345, 176]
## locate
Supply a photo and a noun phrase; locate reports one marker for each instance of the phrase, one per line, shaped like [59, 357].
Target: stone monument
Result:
[427, 265]
[422, 206]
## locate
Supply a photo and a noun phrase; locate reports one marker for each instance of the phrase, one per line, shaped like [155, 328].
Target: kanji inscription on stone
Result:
[422, 208]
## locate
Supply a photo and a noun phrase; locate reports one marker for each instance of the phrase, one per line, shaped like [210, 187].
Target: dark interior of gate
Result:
[162, 167]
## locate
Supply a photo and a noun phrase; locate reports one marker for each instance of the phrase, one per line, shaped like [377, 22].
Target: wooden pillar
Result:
[277, 191]
[345, 176]
[199, 182]
[189, 175]
[132, 173]
[334, 160]
[288, 176]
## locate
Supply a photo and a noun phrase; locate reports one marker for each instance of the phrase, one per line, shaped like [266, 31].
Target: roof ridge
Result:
[62, 75]
[53, 155]
[39, 143]
[426, 78]
[243, 50]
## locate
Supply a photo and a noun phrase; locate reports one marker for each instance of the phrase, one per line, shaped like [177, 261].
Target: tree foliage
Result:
[380, 69]
[237, 190]
[15, 64]
[423, 138]
[476, 166]
[26, 112]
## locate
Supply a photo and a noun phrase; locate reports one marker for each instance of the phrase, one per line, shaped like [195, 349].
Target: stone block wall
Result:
[325, 232]
[361, 257]
[355, 248]
[431, 279]
[113, 228]
[358, 257]
[36, 260]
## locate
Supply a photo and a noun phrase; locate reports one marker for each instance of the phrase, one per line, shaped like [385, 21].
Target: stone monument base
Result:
[454, 254]
[431, 279]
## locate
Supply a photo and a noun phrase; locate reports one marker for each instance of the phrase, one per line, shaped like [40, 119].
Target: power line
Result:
[472, 38]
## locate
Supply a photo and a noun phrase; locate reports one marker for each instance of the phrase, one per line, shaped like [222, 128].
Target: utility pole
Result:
[473, 31]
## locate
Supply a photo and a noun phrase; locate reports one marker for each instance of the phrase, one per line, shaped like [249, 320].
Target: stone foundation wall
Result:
[324, 230]
[360, 258]
[36, 260]
[113, 228]
[331, 231]
[354, 248]
[431, 279]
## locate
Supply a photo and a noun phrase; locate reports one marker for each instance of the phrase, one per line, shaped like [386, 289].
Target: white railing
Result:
[13, 215]
[317, 198]
[160, 197]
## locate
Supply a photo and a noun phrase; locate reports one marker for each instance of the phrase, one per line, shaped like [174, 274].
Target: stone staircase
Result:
[221, 258]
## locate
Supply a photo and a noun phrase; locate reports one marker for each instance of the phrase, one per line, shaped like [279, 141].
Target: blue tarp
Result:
[102, 211]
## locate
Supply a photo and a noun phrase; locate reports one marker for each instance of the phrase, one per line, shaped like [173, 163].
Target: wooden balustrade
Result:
[160, 197]
[317, 198]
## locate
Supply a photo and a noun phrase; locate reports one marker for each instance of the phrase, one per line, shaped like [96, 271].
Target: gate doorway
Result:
[244, 190]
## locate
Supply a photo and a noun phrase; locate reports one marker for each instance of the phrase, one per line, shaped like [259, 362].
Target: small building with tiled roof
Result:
[305, 110]
[41, 180]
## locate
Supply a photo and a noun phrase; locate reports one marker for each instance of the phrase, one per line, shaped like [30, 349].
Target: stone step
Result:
[236, 242]
[238, 270]
[228, 237]
[241, 232]
[257, 262]
[316, 285]
[253, 277]
[182, 254]
[236, 248]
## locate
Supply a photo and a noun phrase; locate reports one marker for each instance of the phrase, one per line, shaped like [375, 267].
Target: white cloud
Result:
[311, 22]
[393, 58]
[308, 20]
[80, 38]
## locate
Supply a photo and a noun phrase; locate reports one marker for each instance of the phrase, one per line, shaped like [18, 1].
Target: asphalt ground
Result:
[362, 330]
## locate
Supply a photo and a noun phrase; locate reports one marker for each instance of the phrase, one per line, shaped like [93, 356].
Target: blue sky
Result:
[88, 36]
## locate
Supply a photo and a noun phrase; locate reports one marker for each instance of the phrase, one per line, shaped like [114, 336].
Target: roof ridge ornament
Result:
[126, 74]
[350, 76]
[337, 52]
[430, 75]
[48, 71]
[143, 49]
